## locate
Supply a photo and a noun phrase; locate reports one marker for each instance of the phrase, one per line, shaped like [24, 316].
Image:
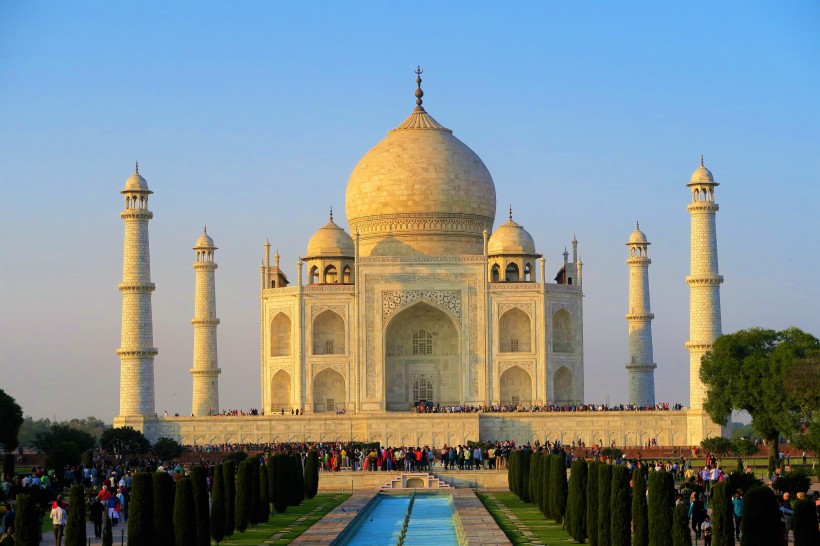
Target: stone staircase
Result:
[415, 480]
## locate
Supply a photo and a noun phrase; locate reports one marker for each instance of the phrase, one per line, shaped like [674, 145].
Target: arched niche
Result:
[328, 334]
[516, 387]
[512, 274]
[280, 335]
[421, 342]
[515, 332]
[495, 274]
[313, 276]
[563, 385]
[328, 391]
[280, 392]
[330, 275]
[563, 338]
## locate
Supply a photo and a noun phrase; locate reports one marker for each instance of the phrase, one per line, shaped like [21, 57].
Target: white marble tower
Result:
[205, 371]
[136, 350]
[640, 363]
[703, 280]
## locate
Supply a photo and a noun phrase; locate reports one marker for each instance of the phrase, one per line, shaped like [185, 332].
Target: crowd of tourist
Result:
[424, 406]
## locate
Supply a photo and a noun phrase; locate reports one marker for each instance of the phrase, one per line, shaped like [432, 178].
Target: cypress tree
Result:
[184, 514]
[75, 525]
[804, 524]
[300, 478]
[199, 484]
[524, 478]
[108, 532]
[680, 526]
[162, 488]
[218, 505]
[558, 487]
[546, 472]
[761, 518]
[264, 498]
[253, 490]
[242, 519]
[620, 514]
[312, 474]
[722, 516]
[604, 495]
[141, 512]
[592, 502]
[26, 526]
[270, 464]
[576, 502]
[511, 461]
[533, 481]
[229, 477]
[280, 498]
[661, 507]
[640, 517]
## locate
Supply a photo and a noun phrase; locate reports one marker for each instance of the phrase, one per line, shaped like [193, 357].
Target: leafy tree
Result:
[744, 447]
[229, 477]
[11, 415]
[717, 445]
[264, 496]
[620, 508]
[8, 467]
[761, 518]
[162, 486]
[723, 525]
[141, 511]
[237, 457]
[604, 509]
[63, 454]
[576, 502]
[680, 526]
[661, 507]
[243, 496]
[124, 441]
[167, 449]
[592, 502]
[798, 480]
[75, 524]
[747, 370]
[184, 514]
[804, 524]
[558, 487]
[743, 481]
[312, 473]
[640, 517]
[199, 485]
[612, 452]
[63, 445]
[218, 505]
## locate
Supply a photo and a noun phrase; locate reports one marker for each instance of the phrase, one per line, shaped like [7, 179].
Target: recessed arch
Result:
[563, 340]
[346, 275]
[328, 391]
[516, 387]
[495, 273]
[330, 275]
[515, 332]
[313, 277]
[280, 335]
[328, 334]
[280, 391]
[529, 271]
[563, 382]
[511, 273]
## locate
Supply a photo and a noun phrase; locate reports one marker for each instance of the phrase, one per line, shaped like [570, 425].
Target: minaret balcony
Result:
[704, 280]
[640, 316]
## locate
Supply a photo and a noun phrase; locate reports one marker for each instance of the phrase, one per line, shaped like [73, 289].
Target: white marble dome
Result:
[511, 238]
[330, 240]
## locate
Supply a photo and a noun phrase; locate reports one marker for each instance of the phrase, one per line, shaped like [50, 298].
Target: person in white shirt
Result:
[58, 519]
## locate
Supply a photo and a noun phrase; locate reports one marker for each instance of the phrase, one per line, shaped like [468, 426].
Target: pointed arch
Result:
[516, 387]
[511, 273]
[313, 277]
[328, 334]
[280, 335]
[346, 275]
[280, 389]
[328, 391]
[515, 332]
[495, 274]
[330, 275]
[563, 337]
[563, 385]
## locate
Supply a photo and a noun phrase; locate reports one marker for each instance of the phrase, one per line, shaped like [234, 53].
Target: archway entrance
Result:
[280, 392]
[562, 381]
[516, 387]
[328, 391]
[421, 358]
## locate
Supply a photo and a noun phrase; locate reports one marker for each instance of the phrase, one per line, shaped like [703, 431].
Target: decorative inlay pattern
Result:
[526, 307]
[420, 259]
[394, 301]
[338, 309]
[527, 365]
[329, 288]
[340, 367]
[276, 310]
[571, 307]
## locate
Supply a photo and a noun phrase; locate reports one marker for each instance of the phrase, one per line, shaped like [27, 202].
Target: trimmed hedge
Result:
[640, 518]
[26, 526]
[512, 462]
[280, 498]
[558, 487]
[312, 473]
[680, 526]
[592, 502]
[229, 477]
[723, 524]
[163, 490]
[199, 484]
[761, 518]
[604, 509]
[535, 484]
[620, 508]
[546, 465]
[299, 474]
[140, 512]
[576, 502]
[75, 526]
[264, 496]
[253, 490]
[524, 475]
[184, 514]
[661, 507]
[218, 505]
[242, 508]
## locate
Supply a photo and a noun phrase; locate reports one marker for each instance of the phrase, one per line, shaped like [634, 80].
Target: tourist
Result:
[58, 520]
[737, 511]
[697, 513]
[8, 537]
[96, 512]
[706, 529]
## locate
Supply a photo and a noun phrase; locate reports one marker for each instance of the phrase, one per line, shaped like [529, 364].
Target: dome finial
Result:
[419, 93]
[137, 167]
[701, 160]
[331, 214]
[510, 211]
[205, 229]
[637, 225]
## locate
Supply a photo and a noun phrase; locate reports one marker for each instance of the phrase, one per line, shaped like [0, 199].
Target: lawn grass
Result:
[532, 527]
[286, 527]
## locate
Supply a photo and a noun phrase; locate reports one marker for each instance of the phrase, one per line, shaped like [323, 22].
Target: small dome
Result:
[136, 182]
[638, 237]
[511, 238]
[205, 240]
[702, 175]
[330, 240]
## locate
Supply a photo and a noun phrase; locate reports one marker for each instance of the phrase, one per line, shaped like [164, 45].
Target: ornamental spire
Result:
[701, 160]
[419, 93]
[510, 211]
[137, 167]
[331, 214]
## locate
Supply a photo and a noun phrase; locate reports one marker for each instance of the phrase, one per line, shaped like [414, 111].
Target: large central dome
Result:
[420, 191]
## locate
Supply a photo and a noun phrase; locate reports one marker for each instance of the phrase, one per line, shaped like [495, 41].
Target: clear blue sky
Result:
[250, 116]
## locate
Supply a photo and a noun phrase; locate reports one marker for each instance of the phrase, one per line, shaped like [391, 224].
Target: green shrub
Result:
[218, 505]
[612, 452]
[558, 487]
[743, 481]
[162, 487]
[604, 508]
[511, 462]
[535, 485]
[270, 464]
[804, 524]
[761, 518]
[620, 508]
[75, 524]
[244, 475]
[796, 481]
[108, 533]
[199, 484]
[264, 497]
[661, 507]
[680, 526]
[312, 473]
[299, 472]
[253, 490]
[229, 477]
[26, 524]
[576, 502]
[524, 475]
[280, 498]
[592, 502]
[772, 464]
[237, 457]
[140, 512]
[723, 524]
[640, 517]
[546, 466]
[167, 449]
[184, 514]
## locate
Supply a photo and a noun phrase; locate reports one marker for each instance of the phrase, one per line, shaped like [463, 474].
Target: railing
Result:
[403, 532]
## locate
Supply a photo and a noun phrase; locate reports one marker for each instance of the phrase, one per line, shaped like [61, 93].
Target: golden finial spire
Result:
[137, 167]
[331, 214]
[205, 230]
[419, 93]
[701, 160]
[510, 211]
[637, 225]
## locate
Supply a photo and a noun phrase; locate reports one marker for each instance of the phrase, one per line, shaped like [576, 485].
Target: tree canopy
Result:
[11, 415]
[124, 441]
[62, 433]
[750, 369]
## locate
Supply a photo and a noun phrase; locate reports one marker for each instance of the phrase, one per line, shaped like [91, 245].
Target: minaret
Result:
[205, 372]
[640, 363]
[136, 350]
[703, 280]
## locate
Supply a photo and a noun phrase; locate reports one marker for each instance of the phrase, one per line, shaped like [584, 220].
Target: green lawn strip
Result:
[285, 526]
[529, 520]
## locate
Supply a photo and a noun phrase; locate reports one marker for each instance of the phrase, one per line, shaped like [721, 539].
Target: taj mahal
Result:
[420, 299]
